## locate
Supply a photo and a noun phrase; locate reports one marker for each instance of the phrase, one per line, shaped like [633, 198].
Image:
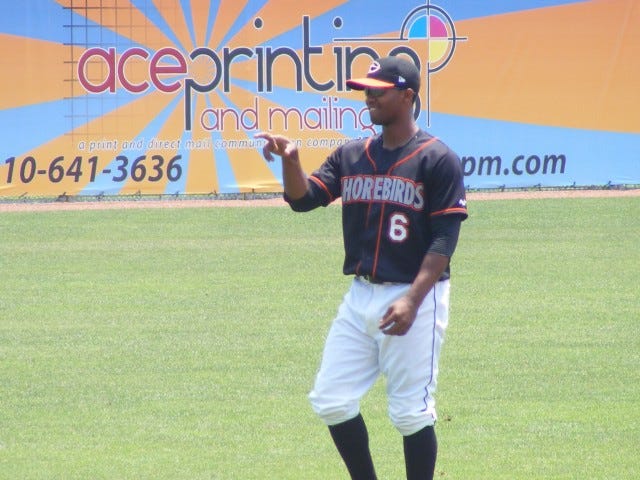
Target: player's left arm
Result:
[448, 208]
[401, 314]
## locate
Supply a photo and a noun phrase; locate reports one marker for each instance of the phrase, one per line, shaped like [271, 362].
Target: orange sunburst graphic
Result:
[165, 96]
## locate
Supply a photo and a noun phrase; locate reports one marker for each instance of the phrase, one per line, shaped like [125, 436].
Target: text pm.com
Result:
[488, 165]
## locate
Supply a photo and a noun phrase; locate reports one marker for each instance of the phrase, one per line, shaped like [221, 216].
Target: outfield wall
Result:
[141, 96]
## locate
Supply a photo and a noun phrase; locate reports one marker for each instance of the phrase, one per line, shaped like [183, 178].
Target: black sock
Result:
[352, 441]
[420, 451]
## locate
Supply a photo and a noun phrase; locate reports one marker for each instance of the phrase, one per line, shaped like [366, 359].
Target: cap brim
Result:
[362, 83]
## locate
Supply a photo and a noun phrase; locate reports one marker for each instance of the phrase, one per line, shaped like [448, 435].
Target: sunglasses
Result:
[376, 92]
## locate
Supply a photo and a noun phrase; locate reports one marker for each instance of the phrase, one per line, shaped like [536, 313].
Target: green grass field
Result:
[181, 344]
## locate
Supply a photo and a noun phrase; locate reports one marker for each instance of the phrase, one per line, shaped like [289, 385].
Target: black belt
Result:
[375, 281]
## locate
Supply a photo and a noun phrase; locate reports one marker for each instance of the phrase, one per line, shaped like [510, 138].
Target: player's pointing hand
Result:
[294, 179]
[278, 144]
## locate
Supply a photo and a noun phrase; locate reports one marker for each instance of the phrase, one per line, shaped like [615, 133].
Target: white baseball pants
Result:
[356, 353]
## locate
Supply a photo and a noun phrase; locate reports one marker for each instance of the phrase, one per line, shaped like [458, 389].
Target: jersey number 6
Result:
[398, 227]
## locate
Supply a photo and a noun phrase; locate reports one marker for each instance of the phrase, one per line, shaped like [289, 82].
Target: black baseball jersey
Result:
[389, 198]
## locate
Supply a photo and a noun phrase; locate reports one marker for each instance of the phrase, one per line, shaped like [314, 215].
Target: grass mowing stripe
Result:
[181, 344]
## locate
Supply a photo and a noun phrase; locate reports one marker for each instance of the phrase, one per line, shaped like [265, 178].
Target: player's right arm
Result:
[294, 179]
[304, 193]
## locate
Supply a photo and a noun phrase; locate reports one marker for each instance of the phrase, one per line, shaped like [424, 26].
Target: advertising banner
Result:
[115, 97]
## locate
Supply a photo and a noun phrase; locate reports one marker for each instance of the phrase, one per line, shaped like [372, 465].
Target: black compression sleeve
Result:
[445, 231]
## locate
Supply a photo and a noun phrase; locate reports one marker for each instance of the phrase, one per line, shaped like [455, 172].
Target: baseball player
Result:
[403, 201]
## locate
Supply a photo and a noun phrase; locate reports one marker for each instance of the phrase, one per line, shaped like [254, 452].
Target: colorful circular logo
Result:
[432, 23]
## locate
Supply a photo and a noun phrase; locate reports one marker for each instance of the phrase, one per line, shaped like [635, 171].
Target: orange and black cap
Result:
[389, 72]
